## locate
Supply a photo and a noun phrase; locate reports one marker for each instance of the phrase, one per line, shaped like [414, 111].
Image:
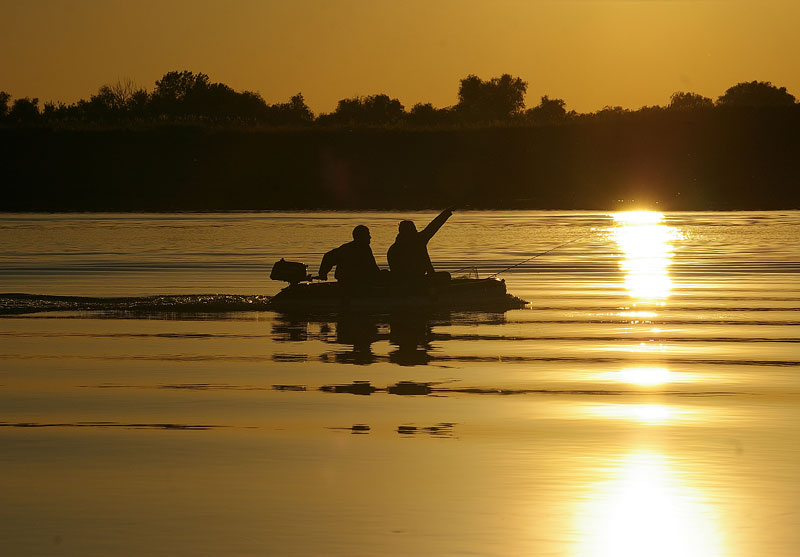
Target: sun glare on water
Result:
[643, 376]
[646, 245]
[645, 414]
[639, 217]
[644, 507]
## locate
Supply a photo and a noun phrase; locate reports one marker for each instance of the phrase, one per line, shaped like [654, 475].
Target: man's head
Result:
[361, 234]
[406, 227]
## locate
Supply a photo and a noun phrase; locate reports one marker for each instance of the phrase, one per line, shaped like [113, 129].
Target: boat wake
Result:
[15, 304]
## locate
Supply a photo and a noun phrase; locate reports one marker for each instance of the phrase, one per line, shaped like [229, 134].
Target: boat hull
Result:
[459, 294]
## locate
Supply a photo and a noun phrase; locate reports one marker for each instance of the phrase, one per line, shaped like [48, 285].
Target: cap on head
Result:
[361, 232]
[406, 227]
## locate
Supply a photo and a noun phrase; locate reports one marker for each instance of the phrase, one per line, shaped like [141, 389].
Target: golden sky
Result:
[591, 53]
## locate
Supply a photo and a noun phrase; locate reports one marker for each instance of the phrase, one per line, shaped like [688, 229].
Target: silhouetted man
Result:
[354, 262]
[408, 257]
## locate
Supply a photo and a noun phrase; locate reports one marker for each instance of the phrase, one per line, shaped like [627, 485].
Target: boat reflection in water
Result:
[410, 335]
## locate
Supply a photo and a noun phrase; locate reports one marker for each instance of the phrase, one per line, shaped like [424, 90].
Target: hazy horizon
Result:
[589, 53]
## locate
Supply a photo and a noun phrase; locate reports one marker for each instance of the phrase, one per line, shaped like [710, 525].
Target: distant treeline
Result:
[186, 97]
[195, 145]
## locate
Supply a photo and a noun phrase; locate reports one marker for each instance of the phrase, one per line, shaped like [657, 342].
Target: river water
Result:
[644, 403]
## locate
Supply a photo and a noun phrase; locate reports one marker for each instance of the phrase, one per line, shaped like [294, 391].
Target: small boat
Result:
[458, 294]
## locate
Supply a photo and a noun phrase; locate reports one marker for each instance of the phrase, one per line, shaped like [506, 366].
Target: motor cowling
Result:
[292, 272]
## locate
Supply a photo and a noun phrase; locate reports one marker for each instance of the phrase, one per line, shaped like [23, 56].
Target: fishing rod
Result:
[540, 254]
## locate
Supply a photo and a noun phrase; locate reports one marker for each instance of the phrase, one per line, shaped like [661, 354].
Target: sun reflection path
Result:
[646, 245]
[646, 508]
[645, 414]
[642, 376]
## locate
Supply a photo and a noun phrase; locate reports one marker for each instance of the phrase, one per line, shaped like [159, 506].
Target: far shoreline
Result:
[704, 161]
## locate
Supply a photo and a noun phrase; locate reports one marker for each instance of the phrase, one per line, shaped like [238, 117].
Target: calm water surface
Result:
[645, 403]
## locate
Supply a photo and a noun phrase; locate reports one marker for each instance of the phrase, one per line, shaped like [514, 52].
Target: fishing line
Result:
[541, 254]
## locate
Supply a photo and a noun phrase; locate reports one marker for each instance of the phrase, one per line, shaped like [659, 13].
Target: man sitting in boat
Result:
[354, 262]
[408, 257]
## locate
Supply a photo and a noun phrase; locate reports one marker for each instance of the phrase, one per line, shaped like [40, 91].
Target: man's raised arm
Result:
[433, 227]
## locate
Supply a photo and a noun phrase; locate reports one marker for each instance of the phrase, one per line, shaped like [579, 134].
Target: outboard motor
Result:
[290, 271]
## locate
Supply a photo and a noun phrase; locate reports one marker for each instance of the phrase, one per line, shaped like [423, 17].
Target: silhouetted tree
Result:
[60, 113]
[174, 90]
[374, 110]
[123, 99]
[299, 108]
[756, 93]
[217, 100]
[138, 104]
[689, 101]
[549, 111]
[24, 111]
[125, 93]
[610, 113]
[185, 94]
[498, 99]
[175, 86]
[349, 111]
[245, 106]
[49, 111]
[5, 98]
[381, 109]
[429, 116]
[295, 112]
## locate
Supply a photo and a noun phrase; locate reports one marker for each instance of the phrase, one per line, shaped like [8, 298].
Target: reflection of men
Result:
[408, 256]
[411, 334]
[354, 261]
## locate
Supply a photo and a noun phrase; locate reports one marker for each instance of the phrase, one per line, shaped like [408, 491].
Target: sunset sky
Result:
[591, 53]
